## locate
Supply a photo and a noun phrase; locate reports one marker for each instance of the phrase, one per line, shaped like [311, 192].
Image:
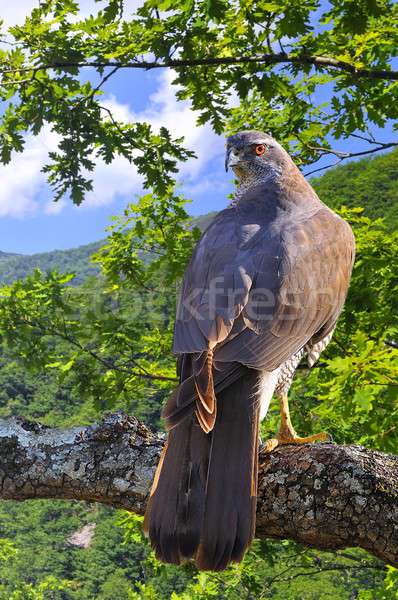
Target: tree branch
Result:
[323, 495]
[343, 155]
[105, 361]
[267, 58]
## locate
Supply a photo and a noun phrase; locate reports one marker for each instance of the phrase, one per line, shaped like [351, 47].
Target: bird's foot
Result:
[290, 437]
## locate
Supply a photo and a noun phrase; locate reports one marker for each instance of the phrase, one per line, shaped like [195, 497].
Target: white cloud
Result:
[54, 208]
[121, 178]
[178, 117]
[22, 183]
[14, 13]
[208, 184]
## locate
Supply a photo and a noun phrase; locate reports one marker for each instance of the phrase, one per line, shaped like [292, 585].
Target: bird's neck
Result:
[255, 176]
[286, 181]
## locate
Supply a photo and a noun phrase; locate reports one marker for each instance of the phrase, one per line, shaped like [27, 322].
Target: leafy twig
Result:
[269, 58]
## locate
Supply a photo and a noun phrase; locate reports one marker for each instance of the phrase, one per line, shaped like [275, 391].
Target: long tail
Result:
[203, 499]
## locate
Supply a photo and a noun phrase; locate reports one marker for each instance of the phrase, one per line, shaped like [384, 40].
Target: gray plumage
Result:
[265, 285]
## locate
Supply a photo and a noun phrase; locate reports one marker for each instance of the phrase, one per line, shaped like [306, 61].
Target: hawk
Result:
[264, 287]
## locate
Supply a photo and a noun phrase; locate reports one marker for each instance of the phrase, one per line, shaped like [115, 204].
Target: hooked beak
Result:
[231, 159]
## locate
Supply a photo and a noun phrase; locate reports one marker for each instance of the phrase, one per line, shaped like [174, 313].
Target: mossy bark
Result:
[324, 495]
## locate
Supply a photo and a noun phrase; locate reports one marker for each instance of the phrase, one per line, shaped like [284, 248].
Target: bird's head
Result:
[255, 155]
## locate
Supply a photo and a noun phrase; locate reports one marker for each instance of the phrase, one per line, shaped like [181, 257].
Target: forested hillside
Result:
[68, 386]
[371, 183]
[76, 260]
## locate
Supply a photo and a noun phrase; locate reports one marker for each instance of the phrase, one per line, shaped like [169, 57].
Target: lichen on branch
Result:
[323, 495]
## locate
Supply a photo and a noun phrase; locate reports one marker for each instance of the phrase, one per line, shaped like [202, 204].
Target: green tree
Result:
[314, 74]
[277, 58]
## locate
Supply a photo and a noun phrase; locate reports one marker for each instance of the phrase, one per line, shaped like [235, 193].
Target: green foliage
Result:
[46, 565]
[108, 345]
[67, 350]
[119, 564]
[49, 588]
[277, 570]
[370, 183]
[76, 260]
[81, 344]
[157, 226]
[41, 77]
[7, 550]
[388, 590]
[73, 344]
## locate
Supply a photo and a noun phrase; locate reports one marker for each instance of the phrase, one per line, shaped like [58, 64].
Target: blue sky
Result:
[30, 222]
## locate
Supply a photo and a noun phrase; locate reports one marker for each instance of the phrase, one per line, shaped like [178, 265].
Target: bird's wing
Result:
[216, 283]
[317, 258]
[258, 288]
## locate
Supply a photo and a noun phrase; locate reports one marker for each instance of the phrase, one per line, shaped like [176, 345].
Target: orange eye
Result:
[260, 149]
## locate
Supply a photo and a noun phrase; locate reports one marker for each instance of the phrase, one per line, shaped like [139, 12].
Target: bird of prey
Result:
[264, 287]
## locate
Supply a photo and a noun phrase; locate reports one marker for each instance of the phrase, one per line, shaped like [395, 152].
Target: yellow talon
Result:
[287, 434]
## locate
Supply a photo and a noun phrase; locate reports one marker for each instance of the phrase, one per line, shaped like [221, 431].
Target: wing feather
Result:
[262, 282]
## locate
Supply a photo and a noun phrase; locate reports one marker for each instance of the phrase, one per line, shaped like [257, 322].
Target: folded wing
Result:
[259, 288]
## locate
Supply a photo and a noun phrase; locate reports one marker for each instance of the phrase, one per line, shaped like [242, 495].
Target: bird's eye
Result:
[260, 149]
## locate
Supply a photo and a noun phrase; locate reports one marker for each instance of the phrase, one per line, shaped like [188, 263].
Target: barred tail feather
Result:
[231, 494]
[204, 495]
[174, 515]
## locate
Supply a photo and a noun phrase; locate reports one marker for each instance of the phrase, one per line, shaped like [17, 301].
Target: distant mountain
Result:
[371, 183]
[5, 255]
[76, 260]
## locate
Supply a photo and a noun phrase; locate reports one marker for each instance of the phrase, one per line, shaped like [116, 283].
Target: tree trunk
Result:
[323, 495]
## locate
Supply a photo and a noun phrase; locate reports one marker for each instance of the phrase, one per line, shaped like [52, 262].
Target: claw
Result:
[284, 439]
[270, 445]
[287, 435]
